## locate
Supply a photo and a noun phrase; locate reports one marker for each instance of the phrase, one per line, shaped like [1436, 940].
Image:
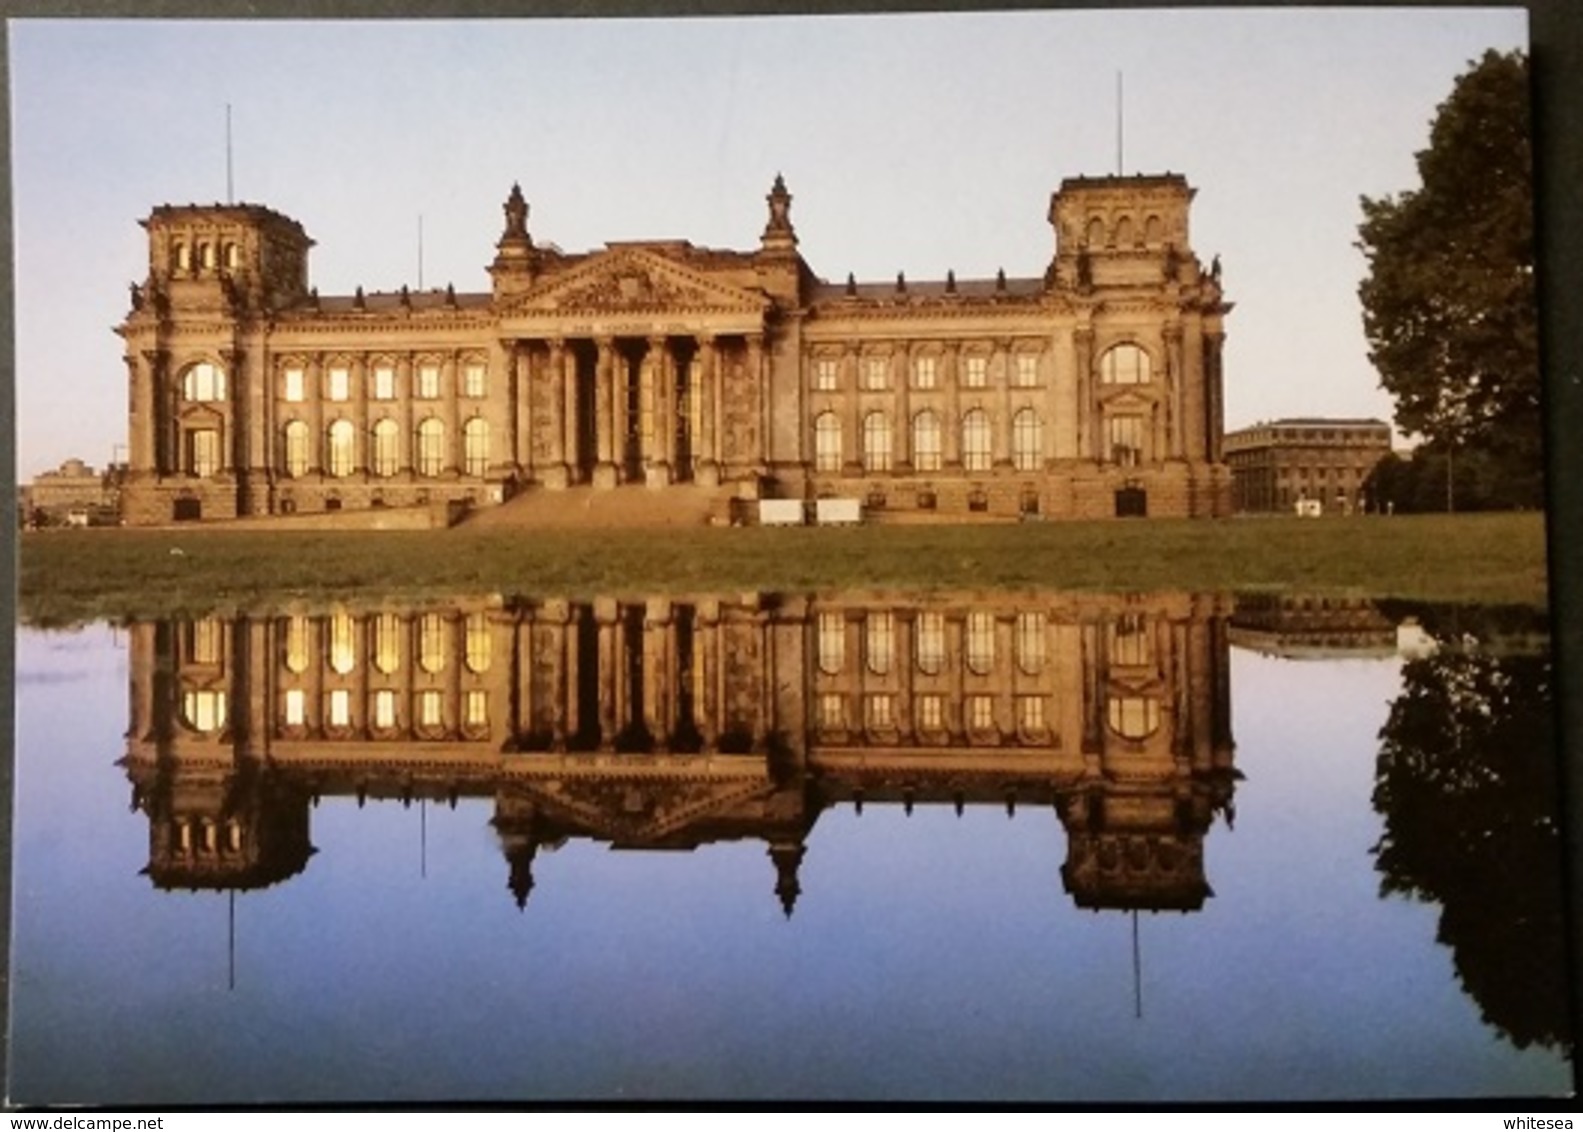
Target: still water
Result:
[963, 846]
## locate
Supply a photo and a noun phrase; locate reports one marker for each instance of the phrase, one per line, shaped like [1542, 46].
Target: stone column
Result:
[706, 695]
[146, 372]
[757, 453]
[1214, 340]
[606, 614]
[563, 375]
[520, 404]
[659, 711]
[604, 414]
[453, 413]
[656, 402]
[313, 378]
[360, 439]
[1174, 449]
[1089, 445]
[902, 432]
[408, 442]
[705, 447]
[1000, 371]
[851, 382]
[951, 427]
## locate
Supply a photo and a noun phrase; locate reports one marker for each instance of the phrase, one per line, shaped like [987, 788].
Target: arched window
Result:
[1126, 364]
[180, 257]
[431, 447]
[1027, 441]
[296, 658]
[1096, 232]
[206, 256]
[232, 257]
[203, 710]
[477, 645]
[1134, 717]
[475, 446]
[930, 642]
[827, 443]
[343, 448]
[387, 447]
[976, 441]
[203, 382]
[387, 643]
[876, 443]
[431, 643]
[343, 642]
[1152, 230]
[1030, 642]
[295, 455]
[980, 642]
[832, 643]
[1123, 231]
[881, 643]
[926, 441]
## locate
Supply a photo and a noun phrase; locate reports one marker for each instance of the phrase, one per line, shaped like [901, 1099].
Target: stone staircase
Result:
[627, 506]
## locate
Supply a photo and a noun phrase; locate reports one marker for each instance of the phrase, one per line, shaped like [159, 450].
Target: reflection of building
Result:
[666, 723]
[1093, 390]
[1276, 465]
[1313, 627]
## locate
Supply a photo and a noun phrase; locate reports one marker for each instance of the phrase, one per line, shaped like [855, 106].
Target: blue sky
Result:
[911, 143]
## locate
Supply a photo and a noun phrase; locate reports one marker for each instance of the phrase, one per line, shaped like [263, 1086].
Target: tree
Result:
[1448, 304]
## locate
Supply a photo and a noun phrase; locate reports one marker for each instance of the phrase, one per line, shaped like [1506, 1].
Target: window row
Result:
[385, 635]
[340, 456]
[427, 710]
[1125, 232]
[929, 713]
[1027, 442]
[426, 380]
[978, 642]
[206, 254]
[1124, 364]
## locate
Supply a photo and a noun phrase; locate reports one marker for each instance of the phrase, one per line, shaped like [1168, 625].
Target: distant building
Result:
[1278, 464]
[72, 493]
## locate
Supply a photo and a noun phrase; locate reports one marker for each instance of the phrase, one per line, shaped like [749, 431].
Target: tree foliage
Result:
[1448, 303]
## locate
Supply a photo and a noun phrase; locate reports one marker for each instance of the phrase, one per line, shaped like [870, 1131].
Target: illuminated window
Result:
[981, 713]
[1134, 717]
[881, 642]
[876, 373]
[975, 371]
[1027, 441]
[294, 710]
[475, 446]
[832, 711]
[876, 443]
[431, 447]
[1125, 364]
[475, 708]
[929, 640]
[832, 642]
[826, 375]
[428, 384]
[181, 257]
[292, 383]
[343, 448]
[206, 256]
[980, 642]
[477, 642]
[385, 709]
[431, 643]
[387, 447]
[1125, 436]
[474, 379]
[1030, 642]
[879, 711]
[976, 441]
[297, 438]
[923, 372]
[203, 710]
[338, 384]
[827, 443]
[926, 442]
[431, 709]
[931, 713]
[203, 451]
[296, 658]
[340, 709]
[232, 256]
[203, 646]
[1030, 713]
[1129, 641]
[387, 642]
[383, 382]
[343, 643]
[1027, 372]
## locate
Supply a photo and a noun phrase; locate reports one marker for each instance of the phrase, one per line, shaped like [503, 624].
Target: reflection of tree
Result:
[1467, 783]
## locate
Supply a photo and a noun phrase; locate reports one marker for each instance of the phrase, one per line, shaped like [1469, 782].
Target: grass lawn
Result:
[77, 575]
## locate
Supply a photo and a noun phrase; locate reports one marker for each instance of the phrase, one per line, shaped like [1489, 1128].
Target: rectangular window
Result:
[931, 713]
[473, 380]
[295, 708]
[203, 452]
[930, 642]
[923, 372]
[980, 642]
[879, 711]
[1030, 713]
[292, 384]
[825, 375]
[975, 373]
[475, 709]
[1126, 440]
[431, 711]
[1027, 372]
[876, 373]
[981, 713]
[340, 714]
[384, 383]
[832, 711]
[338, 384]
[428, 381]
[881, 643]
[385, 709]
[832, 642]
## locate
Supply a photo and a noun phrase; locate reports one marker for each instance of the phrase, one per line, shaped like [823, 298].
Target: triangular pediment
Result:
[641, 811]
[635, 281]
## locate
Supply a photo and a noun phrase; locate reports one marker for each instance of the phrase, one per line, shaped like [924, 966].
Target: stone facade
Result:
[1094, 390]
[1277, 465]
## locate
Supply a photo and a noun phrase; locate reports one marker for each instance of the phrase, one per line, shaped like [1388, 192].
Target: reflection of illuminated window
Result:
[1134, 717]
[1030, 642]
[297, 644]
[1129, 640]
[340, 713]
[343, 643]
[1030, 713]
[431, 643]
[832, 642]
[879, 710]
[477, 642]
[233, 836]
[931, 642]
[430, 709]
[931, 713]
[832, 711]
[980, 642]
[981, 713]
[203, 710]
[206, 635]
[387, 642]
[881, 642]
[476, 709]
[385, 709]
[295, 709]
